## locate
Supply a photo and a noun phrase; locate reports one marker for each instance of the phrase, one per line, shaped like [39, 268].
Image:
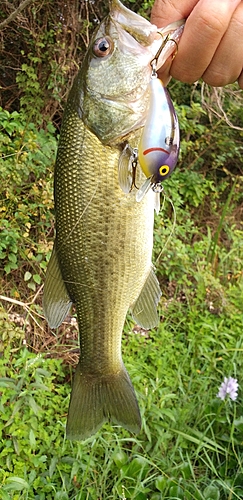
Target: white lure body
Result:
[159, 145]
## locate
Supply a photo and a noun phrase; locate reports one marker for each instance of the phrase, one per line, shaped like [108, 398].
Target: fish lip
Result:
[146, 33]
[139, 27]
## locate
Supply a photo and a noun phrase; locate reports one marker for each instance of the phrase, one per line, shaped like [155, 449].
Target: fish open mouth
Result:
[145, 33]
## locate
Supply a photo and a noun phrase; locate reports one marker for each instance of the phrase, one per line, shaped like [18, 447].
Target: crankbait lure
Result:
[159, 145]
[158, 149]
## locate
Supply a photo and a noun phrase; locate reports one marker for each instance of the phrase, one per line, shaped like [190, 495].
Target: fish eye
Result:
[102, 46]
[164, 170]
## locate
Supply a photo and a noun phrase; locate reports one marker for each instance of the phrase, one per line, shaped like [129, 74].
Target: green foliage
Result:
[208, 144]
[26, 204]
[30, 423]
[41, 61]
[141, 7]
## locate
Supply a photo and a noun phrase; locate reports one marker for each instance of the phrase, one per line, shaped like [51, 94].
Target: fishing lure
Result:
[158, 150]
[159, 145]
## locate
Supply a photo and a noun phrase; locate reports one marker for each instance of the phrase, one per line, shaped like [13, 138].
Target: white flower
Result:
[229, 386]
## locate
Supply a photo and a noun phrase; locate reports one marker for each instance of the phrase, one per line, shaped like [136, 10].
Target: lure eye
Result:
[164, 170]
[102, 46]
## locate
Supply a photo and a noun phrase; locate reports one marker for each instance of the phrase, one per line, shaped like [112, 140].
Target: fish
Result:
[101, 258]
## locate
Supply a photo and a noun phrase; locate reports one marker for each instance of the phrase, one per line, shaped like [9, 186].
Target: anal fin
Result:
[56, 301]
[144, 310]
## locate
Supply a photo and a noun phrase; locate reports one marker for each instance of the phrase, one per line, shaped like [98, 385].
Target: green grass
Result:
[190, 446]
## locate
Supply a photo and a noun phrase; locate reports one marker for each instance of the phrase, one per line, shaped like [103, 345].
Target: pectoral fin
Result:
[125, 170]
[144, 310]
[56, 301]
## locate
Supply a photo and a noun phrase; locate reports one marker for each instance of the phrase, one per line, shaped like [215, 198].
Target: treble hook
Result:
[153, 62]
[134, 168]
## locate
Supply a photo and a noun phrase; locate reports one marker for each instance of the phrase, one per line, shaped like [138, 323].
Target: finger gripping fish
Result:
[101, 259]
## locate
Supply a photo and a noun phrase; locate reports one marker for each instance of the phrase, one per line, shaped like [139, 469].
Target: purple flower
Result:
[229, 386]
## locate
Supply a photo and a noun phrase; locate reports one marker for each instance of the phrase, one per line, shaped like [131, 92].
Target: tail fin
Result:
[95, 400]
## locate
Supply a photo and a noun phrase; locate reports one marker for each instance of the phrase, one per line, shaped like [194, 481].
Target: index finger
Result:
[167, 11]
[205, 27]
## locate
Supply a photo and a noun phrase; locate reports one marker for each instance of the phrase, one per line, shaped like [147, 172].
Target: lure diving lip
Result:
[159, 145]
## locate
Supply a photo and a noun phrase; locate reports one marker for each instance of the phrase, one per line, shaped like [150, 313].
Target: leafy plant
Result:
[26, 204]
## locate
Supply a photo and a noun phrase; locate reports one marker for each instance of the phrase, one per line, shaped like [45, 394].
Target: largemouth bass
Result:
[101, 260]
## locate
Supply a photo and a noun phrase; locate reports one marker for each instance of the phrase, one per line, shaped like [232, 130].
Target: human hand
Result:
[211, 46]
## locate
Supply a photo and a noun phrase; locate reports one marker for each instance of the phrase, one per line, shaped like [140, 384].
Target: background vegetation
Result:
[191, 443]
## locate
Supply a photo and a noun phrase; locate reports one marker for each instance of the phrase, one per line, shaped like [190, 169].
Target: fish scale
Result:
[105, 237]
